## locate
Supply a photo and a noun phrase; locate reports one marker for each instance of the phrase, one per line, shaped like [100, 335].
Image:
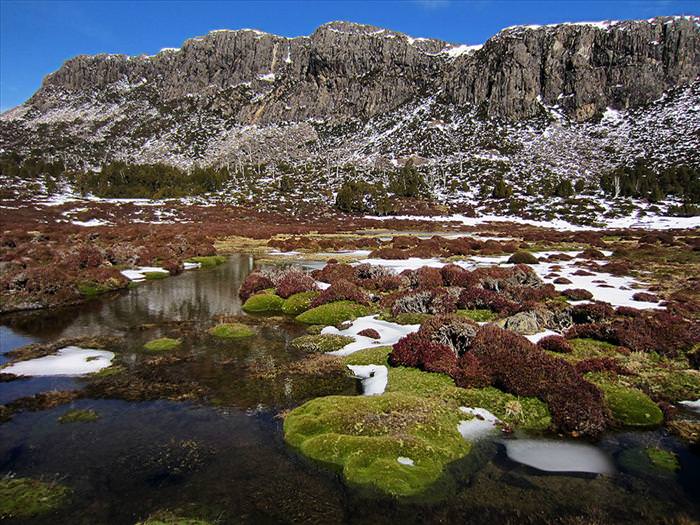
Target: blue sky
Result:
[36, 37]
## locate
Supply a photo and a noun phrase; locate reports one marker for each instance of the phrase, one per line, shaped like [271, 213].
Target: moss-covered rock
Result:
[320, 343]
[629, 407]
[25, 497]
[79, 416]
[208, 261]
[478, 315]
[162, 344]
[663, 459]
[365, 436]
[333, 313]
[154, 276]
[231, 331]
[298, 303]
[263, 303]
[168, 518]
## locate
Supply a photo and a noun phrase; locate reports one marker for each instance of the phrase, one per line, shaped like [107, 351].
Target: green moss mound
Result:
[630, 407]
[79, 416]
[154, 276]
[663, 459]
[320, 343]
[527, 413]
[369, 356]
[231, 331]
[523, 257]
[478, 316]
[168, 518]
[406, 318]
[25, 498]
[162, 344]
[263, 303]
[298, 303]
[333, 313]
[208, 261]
[365, 435]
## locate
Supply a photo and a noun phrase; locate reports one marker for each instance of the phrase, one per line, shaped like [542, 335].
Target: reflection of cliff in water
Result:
[193, 296]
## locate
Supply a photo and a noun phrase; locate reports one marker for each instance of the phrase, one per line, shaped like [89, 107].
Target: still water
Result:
[225, 459]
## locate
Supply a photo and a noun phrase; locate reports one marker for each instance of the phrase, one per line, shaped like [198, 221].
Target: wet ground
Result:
[225, 459]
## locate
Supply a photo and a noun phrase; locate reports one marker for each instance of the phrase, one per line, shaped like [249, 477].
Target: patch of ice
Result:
[68, 361]
[558, 456]
[139, 274]
[692, 405]
[192, 265]
[483, 423]
[405, 461]
[389, 333]
[374, 378]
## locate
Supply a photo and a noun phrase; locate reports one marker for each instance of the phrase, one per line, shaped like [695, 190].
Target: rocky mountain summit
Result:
[573, 100]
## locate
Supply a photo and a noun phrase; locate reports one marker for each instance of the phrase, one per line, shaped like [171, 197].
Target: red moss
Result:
[582, 273]
[628, 311]
[294, 281]
[471, 298]
[562, 280]
[426, 277]
[453, 275]
[255, 282]
[591, 312]
[334, 272]
[369, 332]
[577, 294]
[470, 373]
[341, 290]
[646, 297]
[601, 364]
[418, 351]
[555, 343]
[424, 301]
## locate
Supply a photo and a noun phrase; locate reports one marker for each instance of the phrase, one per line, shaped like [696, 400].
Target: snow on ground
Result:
[374, 378]
[405, 461]
[558, 456]
[651, 222]
[399, 265]
[139, 274]
[90, 223]
[692, 405]
[389, 333]
[192, 266]
[483, 423]
[540, 335]
[68, 361]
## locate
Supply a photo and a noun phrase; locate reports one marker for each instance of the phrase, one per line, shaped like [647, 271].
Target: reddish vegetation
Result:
[453, 275]
[255, 282]
[591, 312]
[294, 281]
[562, 280]
[577, 294]
[418, 351]
[644, 296]
[601, 364]
[369, 332]
[555, 343]
[341, 290]
[471, 298]
[424, 301]
[333, 272]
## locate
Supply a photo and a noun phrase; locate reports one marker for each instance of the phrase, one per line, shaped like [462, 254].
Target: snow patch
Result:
[483, 423]
[389, 334]
[374, 378]
[68, 361]
[558, 456]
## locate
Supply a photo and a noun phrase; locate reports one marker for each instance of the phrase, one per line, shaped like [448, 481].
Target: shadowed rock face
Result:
[351, 70]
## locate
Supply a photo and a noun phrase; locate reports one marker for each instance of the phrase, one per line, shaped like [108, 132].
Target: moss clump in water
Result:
[25, 498]
[231, 331]
[298, 303]
[365, 435]
[154, 276]
[320, 343]
[162, 344]
[79, 416]
[168, 518]
[263, 303]
[333, 313]
[208, 261]
[663, 459]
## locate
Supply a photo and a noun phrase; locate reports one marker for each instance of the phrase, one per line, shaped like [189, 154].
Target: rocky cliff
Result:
[361, 94]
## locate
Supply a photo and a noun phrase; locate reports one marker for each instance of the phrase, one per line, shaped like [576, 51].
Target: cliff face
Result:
[355, 93]
[346, 69]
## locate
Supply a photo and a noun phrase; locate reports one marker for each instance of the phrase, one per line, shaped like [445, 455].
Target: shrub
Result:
[522, 257]
[331, 314]
[293, 282]
[453, 275]
[408, 182]
[231, 331]
[253, 283]
[519, 367]
[470, 373]
[501, 190]
[591, 312]
[431, 301]
[263, 303]
[555, 343]
[341, 290]
[661, 332]
[298, 303]
[646, 297]
[601, 364]
[419, 351]
[453, 331]
[426, 277]
[369, 332]
[333, 272]
[577, 294]
[479, 298]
